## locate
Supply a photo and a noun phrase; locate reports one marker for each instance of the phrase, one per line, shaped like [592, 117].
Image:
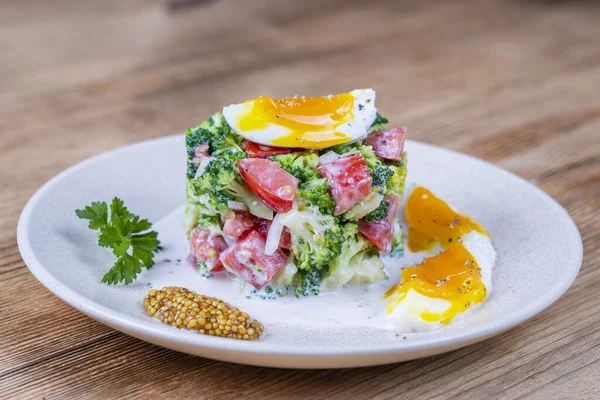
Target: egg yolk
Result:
[312, 121]
[430, 221]
[452, 275]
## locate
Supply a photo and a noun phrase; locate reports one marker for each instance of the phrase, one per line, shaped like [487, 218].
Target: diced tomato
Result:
[256, 150]
[269, 182]
[240, 223]
[380, 233]
[244, 222]
[206, 248]
[246, 258]
[285, 242]
[387, 144]
[286, 239]
[349, 179]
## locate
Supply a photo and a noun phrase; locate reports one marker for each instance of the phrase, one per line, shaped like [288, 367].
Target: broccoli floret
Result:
[318, 251]
[215, 121]
[194, 138]
[395, 185]
[375, 165]
[348, 267]
[373, 162]
[190, 216]
[217, 175]
[313, 190]
[316, 238]
[210, 222]
[286, 275]
[204, 205]
[397, 242]
[226, 143]
[203, 269]
[381, 175]
[379, 213]
[316, 192]
[196, 206]
[302, 165]
[378, 124]
[340, 270]
[370, 268]
[218, 135]
[215, 180]
[307, 282]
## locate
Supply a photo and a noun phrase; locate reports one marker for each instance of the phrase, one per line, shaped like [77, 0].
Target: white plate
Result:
[539, 254]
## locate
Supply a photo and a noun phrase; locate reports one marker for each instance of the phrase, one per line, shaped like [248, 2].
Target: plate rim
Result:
[157, 334]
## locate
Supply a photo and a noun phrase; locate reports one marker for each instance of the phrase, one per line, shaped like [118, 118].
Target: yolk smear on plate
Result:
[430, 221]
[312, 120]
[452, 275]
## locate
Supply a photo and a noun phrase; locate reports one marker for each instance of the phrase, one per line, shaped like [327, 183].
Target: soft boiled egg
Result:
[434, 292]
[305, 122]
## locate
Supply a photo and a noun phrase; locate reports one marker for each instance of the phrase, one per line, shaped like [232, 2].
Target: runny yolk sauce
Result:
[430, 221]
[312, 121]
[452, 275]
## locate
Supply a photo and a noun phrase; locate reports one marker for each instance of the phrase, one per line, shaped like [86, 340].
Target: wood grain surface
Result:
[515, 82]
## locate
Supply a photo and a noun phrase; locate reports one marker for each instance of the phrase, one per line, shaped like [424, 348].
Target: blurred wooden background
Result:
[515, 82]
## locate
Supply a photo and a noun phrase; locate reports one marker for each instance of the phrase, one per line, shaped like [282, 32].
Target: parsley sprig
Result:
[128, 237]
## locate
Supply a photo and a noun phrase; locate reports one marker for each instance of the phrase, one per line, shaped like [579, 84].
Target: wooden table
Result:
[515, 82]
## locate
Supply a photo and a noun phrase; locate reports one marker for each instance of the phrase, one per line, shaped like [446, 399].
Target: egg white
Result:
[406, 314]
[355, 129]
[364, 112]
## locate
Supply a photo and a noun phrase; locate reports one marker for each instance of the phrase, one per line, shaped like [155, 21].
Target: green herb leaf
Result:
[128, 237]
[97, 213]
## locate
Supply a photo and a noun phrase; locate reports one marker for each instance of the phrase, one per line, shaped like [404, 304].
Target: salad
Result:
[300, 194]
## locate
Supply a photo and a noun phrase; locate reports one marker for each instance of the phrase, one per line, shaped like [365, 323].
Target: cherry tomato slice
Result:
[269, 182]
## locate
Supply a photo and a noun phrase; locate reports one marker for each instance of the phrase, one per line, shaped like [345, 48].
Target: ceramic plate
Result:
[539, 254]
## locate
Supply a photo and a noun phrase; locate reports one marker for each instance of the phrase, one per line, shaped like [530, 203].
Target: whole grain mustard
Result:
[184, 308]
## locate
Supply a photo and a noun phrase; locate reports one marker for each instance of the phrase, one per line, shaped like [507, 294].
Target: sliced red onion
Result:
[350, 153]
[274, 235]
[237, 205]
[202, 166]
[328, 157]
[257, 208]
[229, 240]
[364, 207]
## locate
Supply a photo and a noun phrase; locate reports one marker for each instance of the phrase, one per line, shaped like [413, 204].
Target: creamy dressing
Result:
[353, 306]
